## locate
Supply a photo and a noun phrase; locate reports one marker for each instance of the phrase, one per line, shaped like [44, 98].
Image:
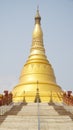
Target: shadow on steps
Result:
[61, 110]
[13, 111]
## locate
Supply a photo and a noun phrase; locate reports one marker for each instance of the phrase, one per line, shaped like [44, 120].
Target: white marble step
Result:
[25, 118]
[33, 126]
[20, 124]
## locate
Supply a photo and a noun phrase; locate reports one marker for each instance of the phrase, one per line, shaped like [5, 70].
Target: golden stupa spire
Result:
[37, 36]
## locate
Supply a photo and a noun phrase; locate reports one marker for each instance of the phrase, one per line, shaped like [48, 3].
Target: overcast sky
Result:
[16, 26]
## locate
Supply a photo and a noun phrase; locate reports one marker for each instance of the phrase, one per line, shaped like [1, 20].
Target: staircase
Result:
[25, 117]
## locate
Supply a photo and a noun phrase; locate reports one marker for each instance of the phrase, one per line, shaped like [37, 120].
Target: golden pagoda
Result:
[37, 73]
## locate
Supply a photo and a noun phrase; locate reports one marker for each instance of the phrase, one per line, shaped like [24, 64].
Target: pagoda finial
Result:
[37, 17]
[37, 7]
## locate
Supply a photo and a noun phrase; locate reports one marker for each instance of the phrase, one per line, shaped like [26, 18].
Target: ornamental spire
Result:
[37, 17]
[37, 36]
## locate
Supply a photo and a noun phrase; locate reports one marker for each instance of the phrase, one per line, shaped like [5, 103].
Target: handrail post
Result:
[38, 115]
[38, 107]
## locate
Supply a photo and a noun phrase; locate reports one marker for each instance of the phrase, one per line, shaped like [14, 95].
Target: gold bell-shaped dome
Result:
[37, 72]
